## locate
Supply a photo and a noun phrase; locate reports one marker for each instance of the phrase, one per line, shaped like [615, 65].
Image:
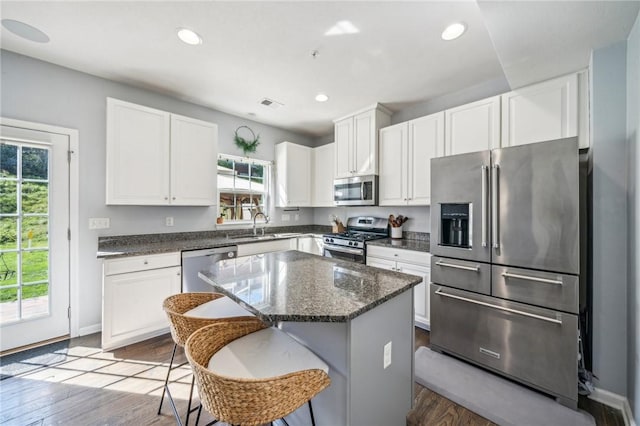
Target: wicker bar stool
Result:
[187, 312]
[251, 374]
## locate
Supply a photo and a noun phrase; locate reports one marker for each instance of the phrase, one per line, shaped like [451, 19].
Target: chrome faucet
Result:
[266, 220]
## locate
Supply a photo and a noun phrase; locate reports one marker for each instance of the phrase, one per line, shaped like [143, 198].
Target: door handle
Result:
[451, 265]
[501, 308]
[529, 278]
[362, 194]
[485, 173]
[495, 206]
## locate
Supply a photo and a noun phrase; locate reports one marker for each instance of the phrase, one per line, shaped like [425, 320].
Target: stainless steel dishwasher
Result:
[194, 261]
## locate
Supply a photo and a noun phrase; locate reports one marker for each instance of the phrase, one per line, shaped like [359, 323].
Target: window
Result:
[243, 187]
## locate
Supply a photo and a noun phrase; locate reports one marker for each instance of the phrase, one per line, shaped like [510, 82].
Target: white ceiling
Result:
[262, 49]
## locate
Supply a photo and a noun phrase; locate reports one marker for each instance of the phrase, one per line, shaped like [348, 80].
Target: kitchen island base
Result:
[362, 391]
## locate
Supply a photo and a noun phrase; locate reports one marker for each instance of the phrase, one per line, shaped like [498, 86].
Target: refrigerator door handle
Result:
[485, 173]
[451, 265]
[495, 196]
[528, 278]
[439, 292]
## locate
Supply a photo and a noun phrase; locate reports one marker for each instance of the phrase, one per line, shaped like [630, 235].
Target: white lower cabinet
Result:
[409, 262]
[132, 294]
[267, 246]
[311, 244]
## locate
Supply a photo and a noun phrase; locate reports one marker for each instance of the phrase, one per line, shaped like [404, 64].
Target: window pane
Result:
[35, 163]
[8, 268]
[35, 197]
[35, 232]
[9, 160]
[242, 189]
[35, 300]
[8, 233]
[8, 305]
[8, 196]
[35, 266]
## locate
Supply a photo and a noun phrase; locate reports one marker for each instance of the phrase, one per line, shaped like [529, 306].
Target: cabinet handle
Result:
[439, 292]
[395, 254]
[178, 273]
[173, 198]
[146, 262]
[166, 198]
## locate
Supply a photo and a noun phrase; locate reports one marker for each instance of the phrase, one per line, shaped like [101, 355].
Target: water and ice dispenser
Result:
[455, 225]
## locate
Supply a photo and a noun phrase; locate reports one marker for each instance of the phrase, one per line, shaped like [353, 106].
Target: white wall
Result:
[41, 92]
[609, 216]
[633, 145]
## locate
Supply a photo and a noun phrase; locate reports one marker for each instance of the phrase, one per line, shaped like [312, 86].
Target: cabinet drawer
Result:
[401, 255]
[534, 345]
[465, 275]
[549, 290]
[140, 263]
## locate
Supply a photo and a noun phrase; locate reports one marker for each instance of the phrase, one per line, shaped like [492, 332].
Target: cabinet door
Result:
[541, 112]
[132, 305]
[344, 144]
[365, 158]
[194, 156]
[323, 174]
[420, 292]
[473, 127]
[392, 181]
[293, 175]
[137, 154]
[310, 244]
[389, 265]
[426, 141]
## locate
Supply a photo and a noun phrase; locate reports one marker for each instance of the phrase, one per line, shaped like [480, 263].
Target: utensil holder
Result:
[396, 232]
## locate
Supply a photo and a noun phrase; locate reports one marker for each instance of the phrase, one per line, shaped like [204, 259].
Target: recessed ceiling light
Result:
[454, 31]
[342, 27]
[25, 31]
[321, 97]
[189, 37]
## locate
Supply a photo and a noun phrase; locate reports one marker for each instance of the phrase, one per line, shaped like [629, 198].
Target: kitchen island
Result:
[358, 319]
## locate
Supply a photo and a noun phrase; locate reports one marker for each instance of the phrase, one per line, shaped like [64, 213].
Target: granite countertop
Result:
[403, 243]
[136, 245]
[296, 286]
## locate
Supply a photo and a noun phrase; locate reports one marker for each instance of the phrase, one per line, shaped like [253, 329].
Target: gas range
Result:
[351, 245]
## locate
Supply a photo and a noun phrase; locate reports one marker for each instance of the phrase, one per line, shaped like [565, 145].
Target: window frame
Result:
[267, 194]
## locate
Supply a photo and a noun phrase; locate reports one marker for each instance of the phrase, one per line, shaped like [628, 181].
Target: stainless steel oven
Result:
[344, 253]
[356, 191]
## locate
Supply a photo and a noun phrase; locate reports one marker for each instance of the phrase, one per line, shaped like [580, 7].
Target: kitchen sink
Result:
[252, 237]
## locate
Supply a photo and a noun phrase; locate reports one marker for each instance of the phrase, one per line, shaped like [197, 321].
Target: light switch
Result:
[99, 223]
[168, 221]
[387, 355]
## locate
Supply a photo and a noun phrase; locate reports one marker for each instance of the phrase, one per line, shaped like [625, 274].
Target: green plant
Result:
[246, 145]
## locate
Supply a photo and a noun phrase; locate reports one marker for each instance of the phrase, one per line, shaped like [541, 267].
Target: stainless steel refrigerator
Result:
[505, 271]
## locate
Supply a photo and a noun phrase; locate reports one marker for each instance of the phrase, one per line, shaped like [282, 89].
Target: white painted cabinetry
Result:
[473, 127]
[267, 246]
[357, 142]
[293, 175]
[322, 182]
[405, 153]
[553, 109]
[311, 244]
[410, 262]
[132, 294]
[158, 158]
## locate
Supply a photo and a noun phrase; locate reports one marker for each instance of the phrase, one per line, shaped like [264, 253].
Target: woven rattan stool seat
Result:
[245, 400]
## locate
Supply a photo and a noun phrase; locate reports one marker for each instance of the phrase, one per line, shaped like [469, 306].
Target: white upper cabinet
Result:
[357, 142]
[406, 150]
[293, 175]
[322, 182]
[158, 158]
[549, 110]
[473, 127]
[194, 154]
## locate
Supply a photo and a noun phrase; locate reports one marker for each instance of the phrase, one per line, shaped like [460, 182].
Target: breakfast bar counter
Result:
[358, 319]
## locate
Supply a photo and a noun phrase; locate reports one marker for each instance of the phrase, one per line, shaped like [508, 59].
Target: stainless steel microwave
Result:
[356, 191]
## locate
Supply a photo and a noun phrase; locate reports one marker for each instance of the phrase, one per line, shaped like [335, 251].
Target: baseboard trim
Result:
[616, 401]
[95, 328]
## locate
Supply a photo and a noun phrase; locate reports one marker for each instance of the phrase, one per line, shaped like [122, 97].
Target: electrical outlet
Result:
[99, 223]
[168, 220]
[286, 217]
[387, 355]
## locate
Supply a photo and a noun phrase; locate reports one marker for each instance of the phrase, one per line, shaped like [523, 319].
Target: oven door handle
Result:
[341, 249]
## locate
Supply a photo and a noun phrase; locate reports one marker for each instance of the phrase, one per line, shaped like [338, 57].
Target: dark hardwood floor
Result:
[75, 383]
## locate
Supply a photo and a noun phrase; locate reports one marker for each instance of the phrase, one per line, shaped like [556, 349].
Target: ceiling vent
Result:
[271, 103]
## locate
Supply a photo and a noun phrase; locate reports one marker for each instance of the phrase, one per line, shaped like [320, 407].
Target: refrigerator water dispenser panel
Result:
[456, 225]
